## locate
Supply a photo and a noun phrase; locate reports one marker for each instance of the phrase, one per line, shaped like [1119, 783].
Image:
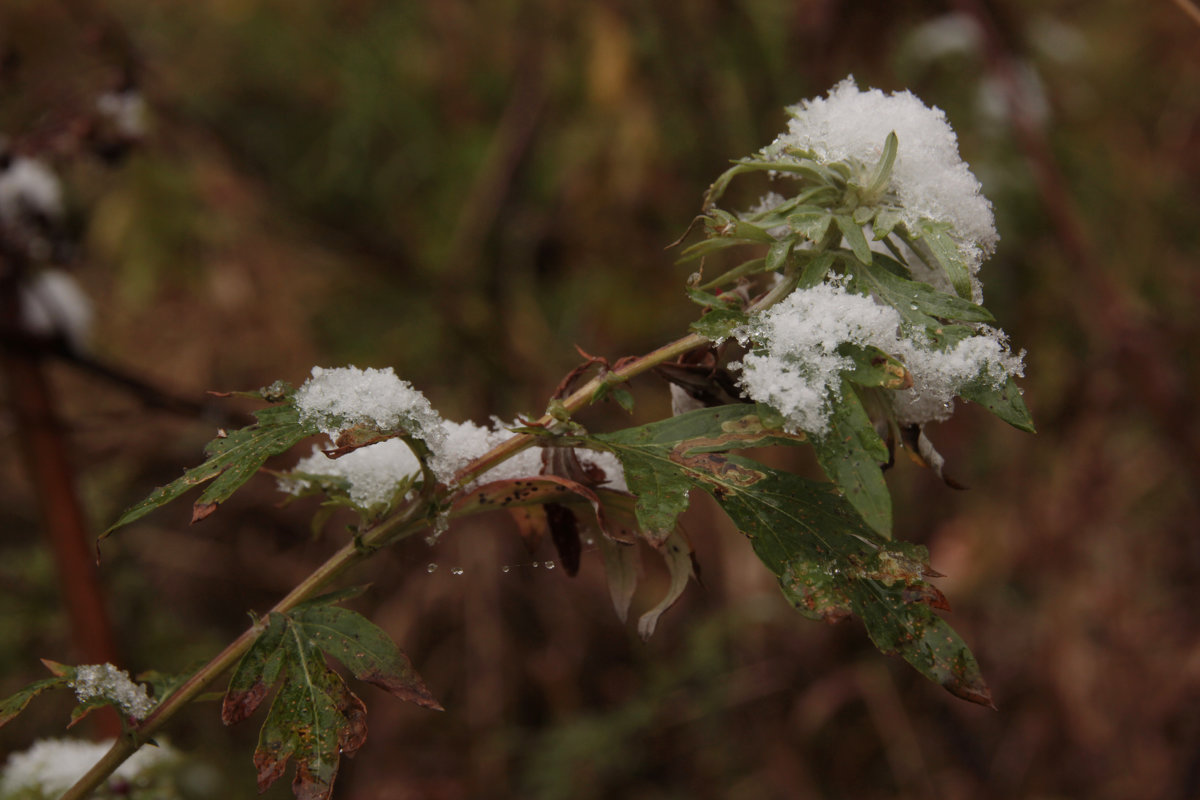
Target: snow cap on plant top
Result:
[929, 179]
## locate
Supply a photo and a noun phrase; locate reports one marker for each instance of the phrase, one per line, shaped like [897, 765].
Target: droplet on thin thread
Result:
[431, 568]
[456, 570]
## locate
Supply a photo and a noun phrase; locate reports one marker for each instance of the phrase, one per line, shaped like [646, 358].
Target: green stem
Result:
[388, 531]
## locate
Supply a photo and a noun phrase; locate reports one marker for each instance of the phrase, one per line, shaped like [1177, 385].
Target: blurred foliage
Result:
[463, 191]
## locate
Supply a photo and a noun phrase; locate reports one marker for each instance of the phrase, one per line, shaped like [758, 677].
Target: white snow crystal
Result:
[51, 766]
[342, 397]
[929, 179]
[104, 680]
[373, 472]
[795, 368]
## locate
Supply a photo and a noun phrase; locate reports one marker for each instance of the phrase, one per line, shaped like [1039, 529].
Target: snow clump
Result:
[795, 367]
[93, 681]
[51, 766]
[929, 179]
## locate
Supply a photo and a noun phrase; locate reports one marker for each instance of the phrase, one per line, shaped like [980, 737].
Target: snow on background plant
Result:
[856, 321]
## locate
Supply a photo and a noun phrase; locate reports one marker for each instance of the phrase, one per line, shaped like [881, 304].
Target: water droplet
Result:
[431, 540]
[535, 565]
[431, 568]
[589, 541]
[549, 565]
[456, 570]
[913, 307]
[506, 568]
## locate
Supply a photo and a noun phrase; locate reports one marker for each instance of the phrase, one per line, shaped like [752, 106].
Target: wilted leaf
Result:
[677, 554]
[564, 532]
[623, 567]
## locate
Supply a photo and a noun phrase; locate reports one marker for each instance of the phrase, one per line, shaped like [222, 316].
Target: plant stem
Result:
[391, 530]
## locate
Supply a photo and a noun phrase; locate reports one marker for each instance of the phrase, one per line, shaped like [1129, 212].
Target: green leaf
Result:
[851, 455]
[902, 294]
[655, 456]
[365, 650]
[314, 718]
[14, 704]
[873, 367]
[710, 300]
[854, 237]
[945, 251]
[1005, 402]
[233, 459]
[883, 170]
[719, 324]
[831, 565]
[751, 267]
[815, 270]
[812, 225]
[886, 220]
[829, 561]
[778, 254]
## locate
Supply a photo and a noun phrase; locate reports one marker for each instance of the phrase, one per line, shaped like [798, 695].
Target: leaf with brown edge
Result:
[314, 718]
[534, 490]
[14, 704]
[364, 649]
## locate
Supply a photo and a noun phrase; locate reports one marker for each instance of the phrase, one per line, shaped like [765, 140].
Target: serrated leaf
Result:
[851, 454]
[1005, 402]
[233, 459]
[653, 454]
[903, 294]
[936, 235]
[812, 225]
[14, 704]
[365, 650]
[854, 237]
[315, 718]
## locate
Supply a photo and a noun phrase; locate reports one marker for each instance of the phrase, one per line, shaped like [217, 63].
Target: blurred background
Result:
[465, 191]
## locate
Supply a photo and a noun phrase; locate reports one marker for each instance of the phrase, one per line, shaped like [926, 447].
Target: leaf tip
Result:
[202, 511]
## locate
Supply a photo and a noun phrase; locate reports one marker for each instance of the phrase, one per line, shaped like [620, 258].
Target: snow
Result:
[929, 178]
[52, 304]
[340, 398]
[374, 472]
[28, 186]
[795, 368]
[51, 766]
[106, 681]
